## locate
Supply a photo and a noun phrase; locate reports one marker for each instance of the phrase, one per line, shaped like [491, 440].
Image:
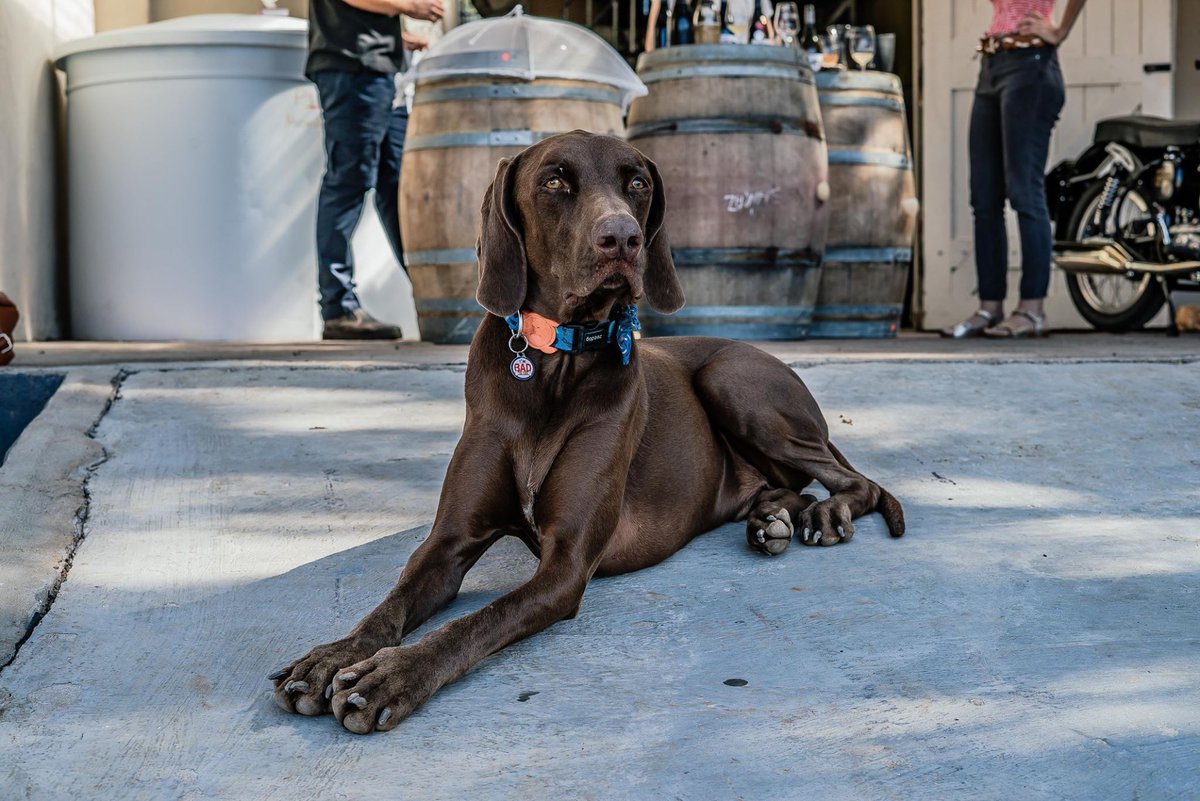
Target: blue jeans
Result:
[364, 141]
[1017, 101]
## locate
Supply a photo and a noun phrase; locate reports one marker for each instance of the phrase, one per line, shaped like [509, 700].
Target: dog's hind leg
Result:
[772, 420]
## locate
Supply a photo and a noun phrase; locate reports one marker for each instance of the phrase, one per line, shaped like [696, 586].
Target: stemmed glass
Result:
[862, 45]
[787, 22]
[831, 47]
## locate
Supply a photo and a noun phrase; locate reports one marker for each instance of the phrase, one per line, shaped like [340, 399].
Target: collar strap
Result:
[548, 336]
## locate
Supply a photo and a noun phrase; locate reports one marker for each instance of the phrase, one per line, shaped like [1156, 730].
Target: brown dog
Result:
[600, 467]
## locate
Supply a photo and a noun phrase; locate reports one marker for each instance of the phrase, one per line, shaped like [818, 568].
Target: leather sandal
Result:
[966, 329]
[1006, 330]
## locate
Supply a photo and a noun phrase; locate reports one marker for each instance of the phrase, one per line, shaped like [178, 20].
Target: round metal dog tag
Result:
[521, 368]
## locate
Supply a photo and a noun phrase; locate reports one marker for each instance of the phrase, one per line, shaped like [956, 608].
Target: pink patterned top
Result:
[1007, 14]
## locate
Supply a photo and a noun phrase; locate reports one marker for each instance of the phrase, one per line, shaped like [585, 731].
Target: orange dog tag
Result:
[539, 332]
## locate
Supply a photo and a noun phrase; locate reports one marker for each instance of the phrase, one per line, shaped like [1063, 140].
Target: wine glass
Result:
[862, 45]
[787, 22]
[831, 49]
[839, 37]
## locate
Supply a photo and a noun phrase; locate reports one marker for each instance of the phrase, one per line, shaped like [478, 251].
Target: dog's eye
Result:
[555, 184]
[638, 183]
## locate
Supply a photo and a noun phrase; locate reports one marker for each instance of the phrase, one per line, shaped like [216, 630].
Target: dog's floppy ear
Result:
[662, 284]
[501, 246]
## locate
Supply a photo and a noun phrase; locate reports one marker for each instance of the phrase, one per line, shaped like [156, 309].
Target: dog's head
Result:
[576, 222]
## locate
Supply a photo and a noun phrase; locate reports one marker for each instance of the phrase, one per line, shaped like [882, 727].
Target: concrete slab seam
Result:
[79, 522]
[1180, 361]
[135, 368]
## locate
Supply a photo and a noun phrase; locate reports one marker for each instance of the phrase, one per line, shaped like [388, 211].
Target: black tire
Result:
[1141, 310]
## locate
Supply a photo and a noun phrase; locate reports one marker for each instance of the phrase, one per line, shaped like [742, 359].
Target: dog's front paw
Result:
[826, 523]
[306, 685]
[382, 690]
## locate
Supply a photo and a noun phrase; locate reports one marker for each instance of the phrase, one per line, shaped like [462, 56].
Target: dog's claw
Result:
[328, 692]
[384, 717]
[348, 677]
[760, 536]
[772, 518]
[357, 700]
[279, 674]
[296, 687]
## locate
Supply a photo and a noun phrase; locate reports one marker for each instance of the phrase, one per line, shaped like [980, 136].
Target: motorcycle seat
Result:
[1148, 132]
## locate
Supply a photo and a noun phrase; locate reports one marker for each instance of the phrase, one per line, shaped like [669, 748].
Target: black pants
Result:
[364, 143]
[1017, 101]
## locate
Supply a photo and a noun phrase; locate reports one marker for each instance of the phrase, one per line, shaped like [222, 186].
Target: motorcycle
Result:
[1127, 220]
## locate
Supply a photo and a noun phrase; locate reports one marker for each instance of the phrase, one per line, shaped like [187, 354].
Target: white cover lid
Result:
[201, 29]
[526, 47]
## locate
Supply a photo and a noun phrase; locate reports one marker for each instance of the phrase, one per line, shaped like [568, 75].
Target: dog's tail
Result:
[887, 505]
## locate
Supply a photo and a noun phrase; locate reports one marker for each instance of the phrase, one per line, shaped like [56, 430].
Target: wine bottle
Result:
[682, 33]
[662, 25]
[810, 41]
[727, 36]
[760, 30]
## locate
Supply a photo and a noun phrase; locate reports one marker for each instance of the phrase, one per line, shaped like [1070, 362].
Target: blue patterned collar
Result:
[548, 336]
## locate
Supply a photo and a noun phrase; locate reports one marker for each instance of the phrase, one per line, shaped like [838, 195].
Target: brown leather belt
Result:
[990, 45]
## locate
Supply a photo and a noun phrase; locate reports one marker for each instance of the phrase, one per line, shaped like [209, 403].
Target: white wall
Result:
[30, 108]
[1187, 54]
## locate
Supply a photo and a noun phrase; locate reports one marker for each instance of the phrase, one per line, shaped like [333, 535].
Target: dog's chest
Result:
[533, 459]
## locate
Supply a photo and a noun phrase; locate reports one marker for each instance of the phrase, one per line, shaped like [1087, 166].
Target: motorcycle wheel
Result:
[1111, 302]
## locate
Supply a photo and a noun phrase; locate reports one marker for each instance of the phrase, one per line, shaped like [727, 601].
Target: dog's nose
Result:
[618, 237]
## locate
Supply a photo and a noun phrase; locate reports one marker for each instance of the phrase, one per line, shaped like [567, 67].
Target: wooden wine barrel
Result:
[736, 133]
[458, 130]
[873, 204]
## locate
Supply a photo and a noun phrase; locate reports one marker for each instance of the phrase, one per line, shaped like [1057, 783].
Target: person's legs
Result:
[986, 150]
[387, 185]
[1032, 96]
[356, 108]
[1030, 104]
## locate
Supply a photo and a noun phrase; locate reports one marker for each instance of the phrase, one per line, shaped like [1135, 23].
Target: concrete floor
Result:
[1034, 636]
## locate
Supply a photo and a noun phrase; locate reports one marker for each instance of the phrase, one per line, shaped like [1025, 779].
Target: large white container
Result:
[195, 157]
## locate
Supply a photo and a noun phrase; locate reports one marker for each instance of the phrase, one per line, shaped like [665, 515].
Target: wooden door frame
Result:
[917, 301]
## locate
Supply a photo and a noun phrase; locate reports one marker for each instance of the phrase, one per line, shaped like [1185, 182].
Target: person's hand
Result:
[413, 41]
[430, 10]
[1037, 24]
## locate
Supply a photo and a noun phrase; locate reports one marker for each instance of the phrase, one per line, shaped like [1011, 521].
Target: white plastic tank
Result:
[195, 158]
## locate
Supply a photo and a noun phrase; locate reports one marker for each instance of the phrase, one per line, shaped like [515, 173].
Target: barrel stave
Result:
[872, 197]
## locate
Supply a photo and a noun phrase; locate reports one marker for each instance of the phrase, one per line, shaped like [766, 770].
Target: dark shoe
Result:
[359, 325]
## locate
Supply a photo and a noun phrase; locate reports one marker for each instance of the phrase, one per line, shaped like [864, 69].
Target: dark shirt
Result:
[342, 37]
